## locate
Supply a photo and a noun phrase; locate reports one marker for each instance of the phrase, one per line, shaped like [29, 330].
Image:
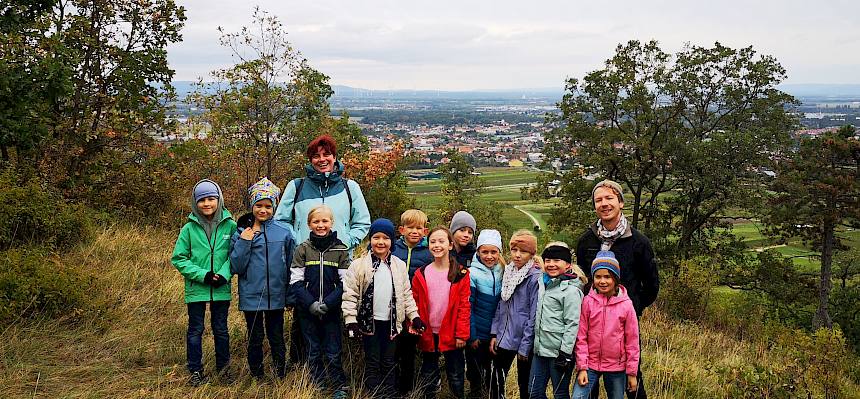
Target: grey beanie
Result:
[611, 184]
[463, 219]
[206, 188]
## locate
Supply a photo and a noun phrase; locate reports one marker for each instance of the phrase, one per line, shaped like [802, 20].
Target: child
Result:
[258, 254]
[463, 228]
[608, 340]
[201, 256]
[317, 271]
[377, 301]
[441, 290]
[485, 277]
[512, 330]
[556, 322]
[412, 249]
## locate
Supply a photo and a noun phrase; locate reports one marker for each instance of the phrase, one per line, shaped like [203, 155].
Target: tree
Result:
[816, 191]
[461, 190]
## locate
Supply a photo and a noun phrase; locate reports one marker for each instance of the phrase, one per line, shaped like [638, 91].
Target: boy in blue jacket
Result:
[412, 249]
[258, 255]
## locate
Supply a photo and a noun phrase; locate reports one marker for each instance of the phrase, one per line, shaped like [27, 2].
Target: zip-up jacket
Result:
[557, 317]
[608, 337]
[357, 280]
[317, 276]
[261, 266]
[514, 321]
[455, 323]
[351, 222]
[195, 254]
[415, 258]
[486, 287]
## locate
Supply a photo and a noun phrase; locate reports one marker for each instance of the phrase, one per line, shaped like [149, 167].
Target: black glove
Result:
[221, 281]
[418, 325]
[353, 331]
[564, 361]
[209, 278]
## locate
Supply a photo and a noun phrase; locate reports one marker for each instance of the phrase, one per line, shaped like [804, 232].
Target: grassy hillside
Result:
[130, 343]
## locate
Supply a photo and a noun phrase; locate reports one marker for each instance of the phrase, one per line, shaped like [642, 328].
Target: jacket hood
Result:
[321, 178]
[198, 217]
[620, 298]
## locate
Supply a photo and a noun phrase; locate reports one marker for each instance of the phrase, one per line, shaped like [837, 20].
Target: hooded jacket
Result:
[514, 321]
[486, 288]
[455, 323]
[415, 258]
[197, 253]
[350, 222]
[557, 317]
[261, 266]
[357, 280]
[636, 259]
[608, 337]
[317, 276]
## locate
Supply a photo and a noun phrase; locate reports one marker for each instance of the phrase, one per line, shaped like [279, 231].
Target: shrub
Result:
[686, 295]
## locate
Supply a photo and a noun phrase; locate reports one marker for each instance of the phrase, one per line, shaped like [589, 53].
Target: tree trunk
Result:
[822, 315]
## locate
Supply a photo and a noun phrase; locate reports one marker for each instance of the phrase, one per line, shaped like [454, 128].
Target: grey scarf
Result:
[608, 237]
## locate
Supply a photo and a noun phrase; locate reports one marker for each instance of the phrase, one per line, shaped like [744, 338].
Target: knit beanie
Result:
[264, 189]
[606, 260]
[204, 189]
[384, 226]
[463, 219]
[608, 183]
[557, 252]
[490, 237]
[524, 242]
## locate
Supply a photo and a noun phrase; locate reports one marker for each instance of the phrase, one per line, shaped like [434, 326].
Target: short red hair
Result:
[325, 142]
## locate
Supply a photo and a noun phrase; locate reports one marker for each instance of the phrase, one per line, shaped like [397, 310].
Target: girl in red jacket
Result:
[441, 290]
[608, 340]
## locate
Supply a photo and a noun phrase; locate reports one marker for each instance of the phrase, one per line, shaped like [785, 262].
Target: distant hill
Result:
[834, 91]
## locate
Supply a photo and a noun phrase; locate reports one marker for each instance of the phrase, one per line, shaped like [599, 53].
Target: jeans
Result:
[323, 339]
[194, 337]
[407, 346]
[455, 363]
[543, 370]
[478, 368]
[379, 360]
[502, 363]
[268, 323]
[640, 384]
[614, 382]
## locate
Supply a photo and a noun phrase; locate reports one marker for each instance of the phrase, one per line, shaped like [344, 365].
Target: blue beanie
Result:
[384, 226]
[606, 260]
[204, 189]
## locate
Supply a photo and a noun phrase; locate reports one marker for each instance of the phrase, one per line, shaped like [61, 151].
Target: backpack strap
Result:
[348, 196]
[296, 198]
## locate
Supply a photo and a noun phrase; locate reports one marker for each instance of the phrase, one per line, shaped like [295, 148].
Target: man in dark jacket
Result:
[632, 249]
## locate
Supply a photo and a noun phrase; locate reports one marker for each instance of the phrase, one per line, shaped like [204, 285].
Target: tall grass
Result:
[132, 344]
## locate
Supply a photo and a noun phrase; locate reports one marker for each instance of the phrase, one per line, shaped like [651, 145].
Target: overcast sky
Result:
[502, 44]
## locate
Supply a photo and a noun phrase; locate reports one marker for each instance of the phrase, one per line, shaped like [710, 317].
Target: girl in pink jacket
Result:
[608, 340]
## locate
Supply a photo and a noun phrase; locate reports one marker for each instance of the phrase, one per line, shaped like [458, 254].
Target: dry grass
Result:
[132, 343]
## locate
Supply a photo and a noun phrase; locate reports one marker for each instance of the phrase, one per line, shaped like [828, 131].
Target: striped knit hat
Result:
[606, 260]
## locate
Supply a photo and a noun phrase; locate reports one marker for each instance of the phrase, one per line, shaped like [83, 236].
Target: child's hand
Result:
[582, 378]
[632, 383]
[475, 344]
[493, 346]
[247, 234]
[353, 331]
[522, 358]
[459, 343]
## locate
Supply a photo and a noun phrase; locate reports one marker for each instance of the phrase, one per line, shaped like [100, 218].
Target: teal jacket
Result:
[195, 254]
[557, 317]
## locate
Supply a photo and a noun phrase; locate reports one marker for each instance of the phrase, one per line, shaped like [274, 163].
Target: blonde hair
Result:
[412, 217]
[320, 209]
[573, 266]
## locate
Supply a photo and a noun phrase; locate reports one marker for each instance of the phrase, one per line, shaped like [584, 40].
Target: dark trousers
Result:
[379, 351]
[298, 349]
[543, 370]
[478, 369]
[405, 354]
[268, 323]
[502, 363]
[455, 363]
[194, 337]
[323, 339]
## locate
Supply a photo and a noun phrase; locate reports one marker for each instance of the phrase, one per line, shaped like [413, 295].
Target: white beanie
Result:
[490, 237]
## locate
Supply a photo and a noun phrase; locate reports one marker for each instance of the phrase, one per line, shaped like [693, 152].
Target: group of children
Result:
[444, 291]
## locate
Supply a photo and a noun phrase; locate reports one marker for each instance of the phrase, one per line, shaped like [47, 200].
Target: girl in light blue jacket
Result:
[486, 288]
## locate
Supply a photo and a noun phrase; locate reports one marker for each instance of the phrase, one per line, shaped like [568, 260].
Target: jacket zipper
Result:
[212, 260]
[602, 333]
[322, 276]
[268, 288]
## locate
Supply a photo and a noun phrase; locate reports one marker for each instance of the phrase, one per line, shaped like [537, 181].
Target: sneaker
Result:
[197, 379]
[341, 393]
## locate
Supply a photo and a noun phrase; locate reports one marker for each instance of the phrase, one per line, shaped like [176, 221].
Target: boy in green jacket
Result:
[201, 255]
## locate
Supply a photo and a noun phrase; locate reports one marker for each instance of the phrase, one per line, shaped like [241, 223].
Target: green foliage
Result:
[460, 192]
[32, 214]
[34, 283]
[687, 295]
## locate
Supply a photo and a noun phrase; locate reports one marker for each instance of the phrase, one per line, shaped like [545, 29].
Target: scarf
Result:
[513, 277]
[323, 243]
[365, 307]
[608, 237]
